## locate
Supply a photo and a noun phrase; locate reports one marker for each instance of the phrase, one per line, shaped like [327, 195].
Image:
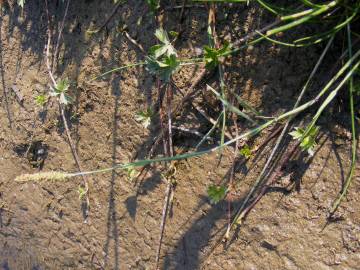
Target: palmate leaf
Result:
[163, 68]
[144, 117]
[308, 142]
[60, 91]
[212, 56]
[216, 193]
[165, 48]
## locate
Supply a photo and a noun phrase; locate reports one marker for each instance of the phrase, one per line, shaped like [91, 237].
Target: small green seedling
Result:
[308, 142]
[41, 100]
[164, 68]
[131, 173]
[162, 60]
[153, 4]
[144, 117]
[165, 48]
[246, 151]
[212, 56]
[174, 34]
[216, 193]
[82, 193]
[61, 90]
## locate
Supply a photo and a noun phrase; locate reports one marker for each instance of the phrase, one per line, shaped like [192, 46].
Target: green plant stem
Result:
[348, 181]
[117, 69]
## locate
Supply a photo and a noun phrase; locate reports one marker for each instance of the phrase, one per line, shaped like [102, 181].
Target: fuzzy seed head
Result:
[42, 176]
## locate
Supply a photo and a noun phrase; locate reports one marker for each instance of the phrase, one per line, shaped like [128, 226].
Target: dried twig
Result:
[116, 8]
[62, 110]
[276, 174]
[169, 188]
[54, 59]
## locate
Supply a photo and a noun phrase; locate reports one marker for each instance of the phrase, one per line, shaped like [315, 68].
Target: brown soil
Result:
[42, 224]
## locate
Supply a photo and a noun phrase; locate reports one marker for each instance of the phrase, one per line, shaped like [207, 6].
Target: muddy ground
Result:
[42, 225]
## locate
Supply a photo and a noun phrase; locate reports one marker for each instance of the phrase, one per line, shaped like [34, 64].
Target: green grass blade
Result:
[349, 178]
[302, 20]
[117, 69]
[210, 131]
[330, 97]
[231, 107]
[245, 104]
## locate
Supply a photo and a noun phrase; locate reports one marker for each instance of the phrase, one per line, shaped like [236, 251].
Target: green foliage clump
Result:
[216, 193]
[212, 56]
[61, 91]
[162, 60]
[144, 117]
[307, 140]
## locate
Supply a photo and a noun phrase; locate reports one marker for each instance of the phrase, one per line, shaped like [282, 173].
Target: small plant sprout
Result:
[162, 60]
[82, 192]
[216, 193]
[212, 56]
[165, 48]
[164, 68]
[153, 5]
[61, 90]
[41, 100]
[131, 173]
[246, 151]
[308, 142]
[144, 117]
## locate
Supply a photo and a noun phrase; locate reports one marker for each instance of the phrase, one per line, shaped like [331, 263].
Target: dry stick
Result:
[276, 174]
[62, 112]
[191, 131]
[169, 188]
[134, 42]
[232, 173]
[191, 92]
[179, 26]
[274, 132]
[110, 17]
[239, 212]
[203, 113]
[59, 36]
[162, 117]
[264, 171]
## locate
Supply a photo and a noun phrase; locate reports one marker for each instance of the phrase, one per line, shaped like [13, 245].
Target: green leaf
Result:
[41, 100]
[246, 151]
[161, 35]
[163, 68]
[308, 142]
[165, 48]
[82, 192]
[131, 173]
[212, 56]
[61, 90]
[216, 193]
[144, 117]
[62, 86]
[153, 4]
[174, 33]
